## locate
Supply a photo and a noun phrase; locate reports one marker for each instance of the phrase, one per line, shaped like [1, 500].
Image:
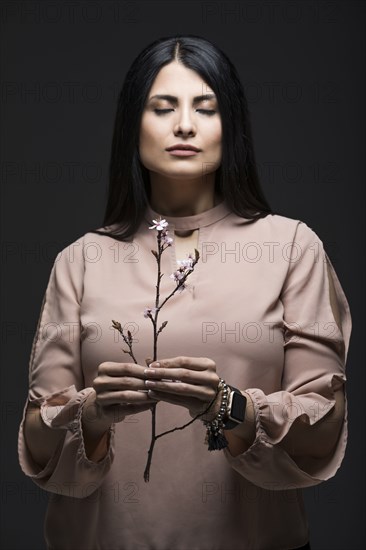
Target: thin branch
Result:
[191, 421]
[128, 341]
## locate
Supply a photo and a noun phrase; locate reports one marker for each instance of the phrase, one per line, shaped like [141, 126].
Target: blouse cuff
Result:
[68, 467]
[268, 465]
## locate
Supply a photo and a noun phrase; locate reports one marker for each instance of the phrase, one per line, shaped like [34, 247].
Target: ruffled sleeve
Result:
[317, 328]
[56, 384]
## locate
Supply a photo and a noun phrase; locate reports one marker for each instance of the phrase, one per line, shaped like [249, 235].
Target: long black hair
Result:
[236, 180]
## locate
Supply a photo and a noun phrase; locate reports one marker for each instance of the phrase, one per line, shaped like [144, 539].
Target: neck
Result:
[172, 197]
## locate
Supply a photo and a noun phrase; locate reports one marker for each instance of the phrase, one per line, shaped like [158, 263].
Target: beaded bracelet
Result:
[215, 438]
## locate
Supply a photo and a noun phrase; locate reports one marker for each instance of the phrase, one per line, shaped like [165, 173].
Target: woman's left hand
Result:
[187, 381]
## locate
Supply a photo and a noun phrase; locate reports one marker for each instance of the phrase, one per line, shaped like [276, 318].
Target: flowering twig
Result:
[180, 277]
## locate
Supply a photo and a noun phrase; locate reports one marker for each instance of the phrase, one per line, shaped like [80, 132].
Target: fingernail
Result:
[149, 371]
[154, 364]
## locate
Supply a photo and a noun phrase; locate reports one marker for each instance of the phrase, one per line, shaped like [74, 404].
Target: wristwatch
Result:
[235, 412]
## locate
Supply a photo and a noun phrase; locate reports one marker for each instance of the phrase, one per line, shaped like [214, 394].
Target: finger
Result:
[203, 393]
[109, 383]
[192, 363]
[123, 397]
[121, 369]
[202, 378]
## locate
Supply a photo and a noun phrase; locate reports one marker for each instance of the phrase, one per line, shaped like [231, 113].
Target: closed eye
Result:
[206, 111]
[162, 111]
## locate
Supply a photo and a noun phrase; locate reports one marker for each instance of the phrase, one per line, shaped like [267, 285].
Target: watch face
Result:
[238, 407]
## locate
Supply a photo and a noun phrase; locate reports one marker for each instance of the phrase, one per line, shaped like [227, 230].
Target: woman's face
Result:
[186, 120]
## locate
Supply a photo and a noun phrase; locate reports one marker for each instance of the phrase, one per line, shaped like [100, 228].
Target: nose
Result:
[185, 124]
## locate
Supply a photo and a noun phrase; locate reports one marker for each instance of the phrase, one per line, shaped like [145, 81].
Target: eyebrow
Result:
[174, 99]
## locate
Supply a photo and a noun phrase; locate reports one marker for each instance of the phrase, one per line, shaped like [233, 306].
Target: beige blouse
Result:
[259, 304]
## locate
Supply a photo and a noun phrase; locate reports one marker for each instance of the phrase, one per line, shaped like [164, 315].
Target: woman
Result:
[261, 332]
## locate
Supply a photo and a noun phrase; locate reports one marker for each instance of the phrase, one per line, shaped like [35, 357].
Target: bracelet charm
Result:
[215, 437]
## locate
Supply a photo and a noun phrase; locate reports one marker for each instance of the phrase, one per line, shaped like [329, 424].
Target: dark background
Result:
[63, 63]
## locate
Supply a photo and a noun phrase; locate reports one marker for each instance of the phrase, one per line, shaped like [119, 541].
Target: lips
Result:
[183, 147]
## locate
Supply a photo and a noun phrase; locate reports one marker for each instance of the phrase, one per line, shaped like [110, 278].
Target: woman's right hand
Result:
[119, 391]
[117, 394]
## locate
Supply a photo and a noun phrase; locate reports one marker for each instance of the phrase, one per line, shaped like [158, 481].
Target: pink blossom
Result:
[159, 224]
[178, 275]
[167, 240]
[186, 264]
[149, 311]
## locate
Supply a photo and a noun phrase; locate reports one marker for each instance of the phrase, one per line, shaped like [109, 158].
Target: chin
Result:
[177, 171]
[181, 174]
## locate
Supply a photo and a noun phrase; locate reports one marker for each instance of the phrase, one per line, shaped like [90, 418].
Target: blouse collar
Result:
[208, 217]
